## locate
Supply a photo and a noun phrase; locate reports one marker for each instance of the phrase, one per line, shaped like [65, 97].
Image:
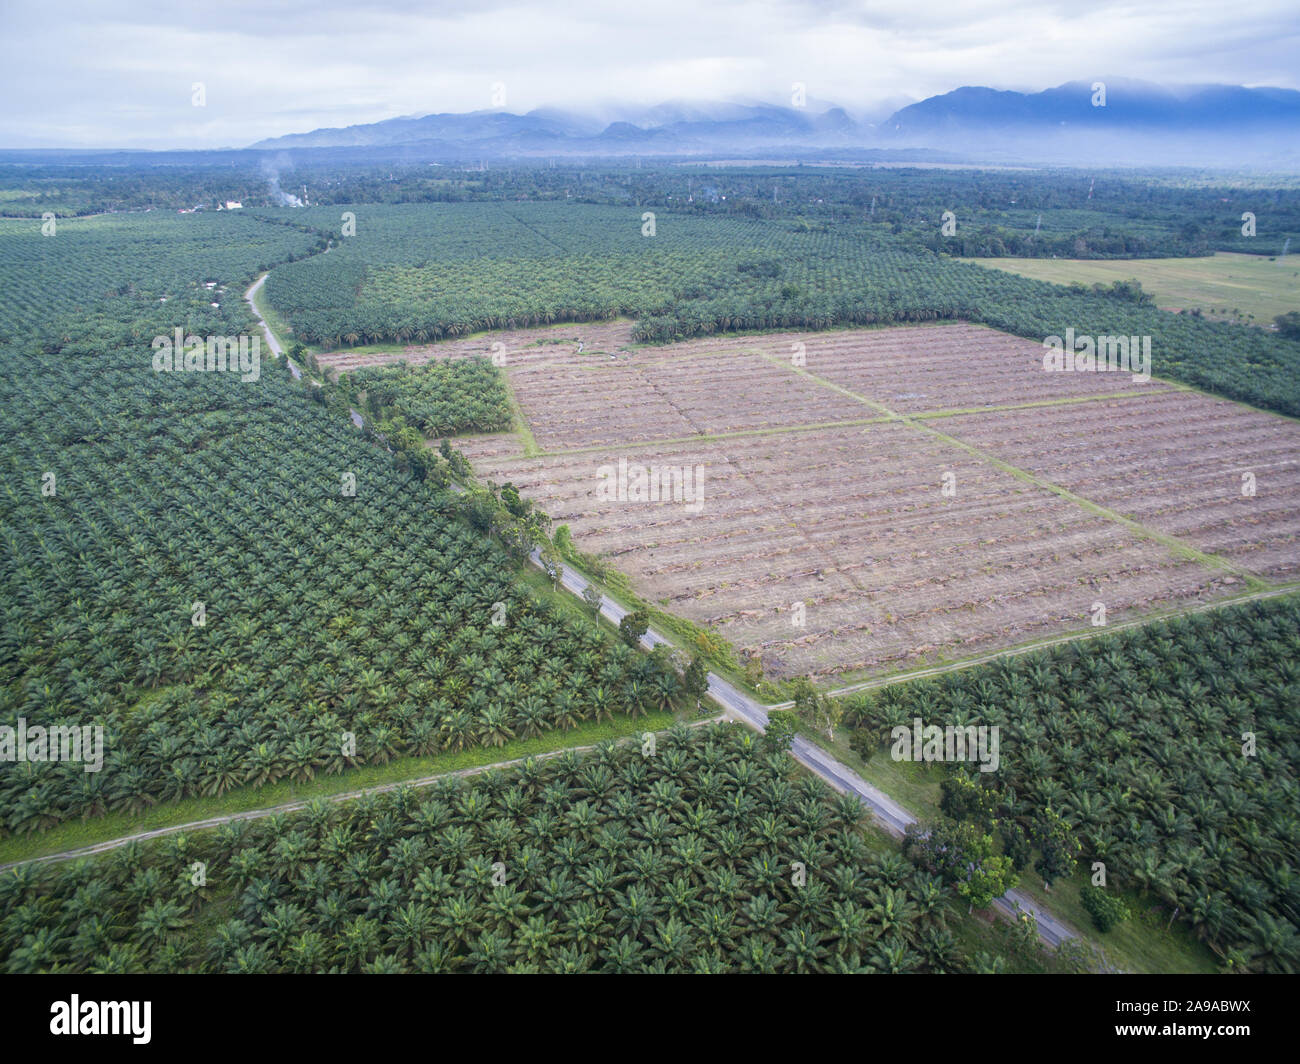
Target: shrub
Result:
[1106, 910]
[633, 626]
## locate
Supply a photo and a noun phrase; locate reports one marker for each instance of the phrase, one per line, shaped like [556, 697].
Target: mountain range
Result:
[1122, 120]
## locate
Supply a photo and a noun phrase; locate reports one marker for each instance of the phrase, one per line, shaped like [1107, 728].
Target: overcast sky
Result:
[100, 73]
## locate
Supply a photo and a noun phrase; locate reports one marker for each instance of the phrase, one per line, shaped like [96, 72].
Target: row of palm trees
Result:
[684, 859]
[439, 398]
[1171, 750]
[371, 610]
[441, 271]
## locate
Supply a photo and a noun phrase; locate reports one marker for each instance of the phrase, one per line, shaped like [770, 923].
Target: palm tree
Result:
[893, 957]
[494, 726]
[122, 958]
[409, 928]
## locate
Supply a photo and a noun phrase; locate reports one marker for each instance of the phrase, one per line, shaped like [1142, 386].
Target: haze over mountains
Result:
[1141, 124]
[1134, 123]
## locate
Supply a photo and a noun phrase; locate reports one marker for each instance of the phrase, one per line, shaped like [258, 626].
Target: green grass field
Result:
[1251, 284]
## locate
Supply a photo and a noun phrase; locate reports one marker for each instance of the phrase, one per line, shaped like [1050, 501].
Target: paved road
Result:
[738, 705]
[573, 581]
[893, 817]
[272, 342]
[276, 349]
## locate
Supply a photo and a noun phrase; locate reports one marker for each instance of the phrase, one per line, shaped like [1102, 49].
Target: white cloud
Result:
[80, 74]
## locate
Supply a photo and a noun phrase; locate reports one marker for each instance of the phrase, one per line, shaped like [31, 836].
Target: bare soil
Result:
[824, 486]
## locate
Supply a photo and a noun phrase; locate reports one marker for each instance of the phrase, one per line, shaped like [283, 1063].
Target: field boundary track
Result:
[722, 691]
[877, 682]
[1172, 543]
[888, 813]
[94, 848]
[1259, 288]
[815, 426]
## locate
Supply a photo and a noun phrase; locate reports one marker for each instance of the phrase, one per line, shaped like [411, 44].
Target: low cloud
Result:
[125, 78]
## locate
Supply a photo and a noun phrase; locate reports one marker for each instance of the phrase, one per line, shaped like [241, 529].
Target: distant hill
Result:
[1141, 123]
[1205, 123]
[671, 128]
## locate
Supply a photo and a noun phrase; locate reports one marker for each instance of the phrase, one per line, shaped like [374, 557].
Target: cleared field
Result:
[528, 344]
[1218, 284]
[823, 486]
[944, 368]
[653, 395]
[852, 523]
[1217, 475]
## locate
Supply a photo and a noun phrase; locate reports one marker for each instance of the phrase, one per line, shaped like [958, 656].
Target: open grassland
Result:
[1256, 286]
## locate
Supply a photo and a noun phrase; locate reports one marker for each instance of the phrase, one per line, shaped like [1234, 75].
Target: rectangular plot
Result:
[946, 367]
[1180, 462]
[853, 523]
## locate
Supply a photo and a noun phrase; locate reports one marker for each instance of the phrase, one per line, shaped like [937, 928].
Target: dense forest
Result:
[1033, 213]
